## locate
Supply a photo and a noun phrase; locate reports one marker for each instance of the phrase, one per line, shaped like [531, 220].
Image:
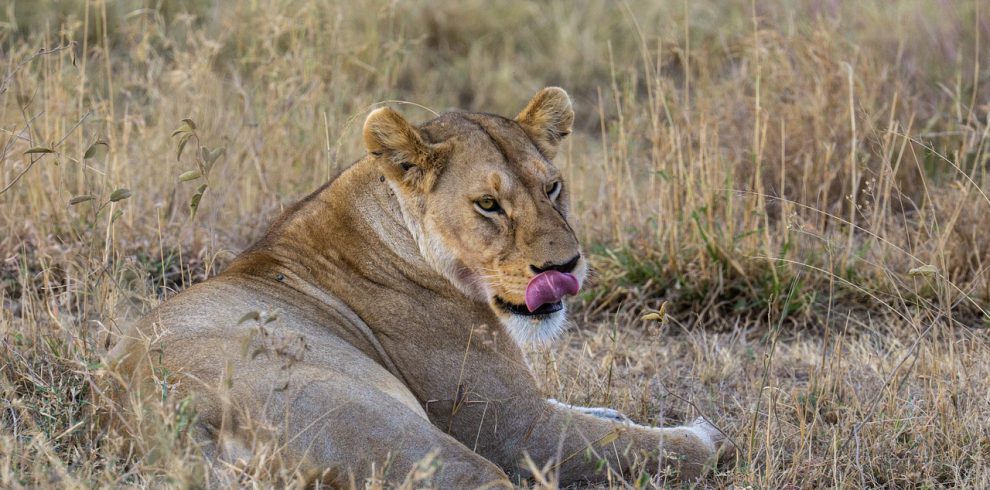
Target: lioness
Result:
[378, 321]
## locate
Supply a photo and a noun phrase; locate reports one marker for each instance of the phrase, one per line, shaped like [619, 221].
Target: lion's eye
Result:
[487, 205]
[553, 190]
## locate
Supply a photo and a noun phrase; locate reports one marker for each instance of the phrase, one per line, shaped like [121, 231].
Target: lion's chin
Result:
[539, 328]
[523, 311]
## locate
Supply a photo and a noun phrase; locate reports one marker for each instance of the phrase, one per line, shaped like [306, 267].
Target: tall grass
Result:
[805, 183]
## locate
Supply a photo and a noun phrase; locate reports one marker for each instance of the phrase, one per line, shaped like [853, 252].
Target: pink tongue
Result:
[549, 287]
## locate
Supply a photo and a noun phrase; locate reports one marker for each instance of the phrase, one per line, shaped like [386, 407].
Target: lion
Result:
[380, 321]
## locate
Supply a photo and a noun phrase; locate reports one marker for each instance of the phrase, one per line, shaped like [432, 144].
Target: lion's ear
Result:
[548, 119]
[405, 156]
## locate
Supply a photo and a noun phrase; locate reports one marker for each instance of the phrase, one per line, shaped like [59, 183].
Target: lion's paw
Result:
[721, 447]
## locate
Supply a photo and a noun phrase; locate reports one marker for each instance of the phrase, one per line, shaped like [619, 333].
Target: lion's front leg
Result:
[600, 412]
[579, 439]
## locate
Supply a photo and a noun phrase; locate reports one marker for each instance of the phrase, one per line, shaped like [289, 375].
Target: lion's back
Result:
[171, 335]
[240, 326]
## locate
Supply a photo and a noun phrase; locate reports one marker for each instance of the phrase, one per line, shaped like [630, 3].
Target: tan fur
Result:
[548, 119]
[376, 336]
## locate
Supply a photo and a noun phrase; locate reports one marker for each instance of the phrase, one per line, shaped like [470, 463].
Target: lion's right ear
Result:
[406, 157]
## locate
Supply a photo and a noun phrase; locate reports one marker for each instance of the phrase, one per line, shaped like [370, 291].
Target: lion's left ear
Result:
[548, 119]
[405, 156]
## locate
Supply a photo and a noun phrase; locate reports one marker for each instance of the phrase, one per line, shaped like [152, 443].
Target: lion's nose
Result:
[565, 267]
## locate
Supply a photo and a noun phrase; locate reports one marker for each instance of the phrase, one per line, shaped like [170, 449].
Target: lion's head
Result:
[487, 207]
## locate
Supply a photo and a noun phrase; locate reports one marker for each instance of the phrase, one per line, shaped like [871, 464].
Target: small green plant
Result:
[204, 158]
[118, 194]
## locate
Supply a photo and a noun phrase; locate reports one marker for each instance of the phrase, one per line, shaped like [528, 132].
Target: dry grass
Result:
[804, 182]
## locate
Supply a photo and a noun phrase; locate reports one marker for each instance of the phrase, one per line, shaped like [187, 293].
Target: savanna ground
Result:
[803, 183]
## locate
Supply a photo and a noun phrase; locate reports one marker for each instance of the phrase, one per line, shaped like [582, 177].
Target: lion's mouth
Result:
[522, 310]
